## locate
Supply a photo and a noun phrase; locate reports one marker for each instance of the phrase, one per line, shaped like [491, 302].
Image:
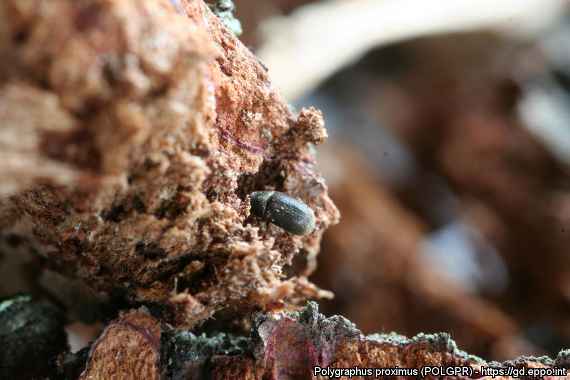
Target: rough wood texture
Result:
[282, 346]
[24, 129]
[129, 348]
[171, 123]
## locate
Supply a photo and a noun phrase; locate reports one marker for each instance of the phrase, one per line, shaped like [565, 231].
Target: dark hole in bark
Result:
[149, 250]
[114, 214]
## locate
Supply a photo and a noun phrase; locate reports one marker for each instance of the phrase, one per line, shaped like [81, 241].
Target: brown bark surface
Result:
[170, 122]
[282, 346]
[132, 135]
[129, 348]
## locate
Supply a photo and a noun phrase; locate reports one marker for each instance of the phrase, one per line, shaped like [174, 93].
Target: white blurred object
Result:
[545, 107]
[462, 253]
[555, 46]
[310, 45]
[546, 113]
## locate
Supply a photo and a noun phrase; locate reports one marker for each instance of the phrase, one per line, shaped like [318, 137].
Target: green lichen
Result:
[440, 342]
[4, 305]
[523, 360]
[326, 328]
[224, 9]
[563, 358]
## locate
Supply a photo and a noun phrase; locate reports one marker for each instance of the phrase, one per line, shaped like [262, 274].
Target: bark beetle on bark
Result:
[163, 124]
[138, 129]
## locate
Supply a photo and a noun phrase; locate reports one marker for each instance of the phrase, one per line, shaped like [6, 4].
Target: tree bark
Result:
[158, 124]
[281, 346]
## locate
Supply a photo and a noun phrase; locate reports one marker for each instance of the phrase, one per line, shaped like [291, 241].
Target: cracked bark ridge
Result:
[168, 122]
[282, 346]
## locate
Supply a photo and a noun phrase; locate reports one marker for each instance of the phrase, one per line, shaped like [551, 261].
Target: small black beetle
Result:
[280, 209]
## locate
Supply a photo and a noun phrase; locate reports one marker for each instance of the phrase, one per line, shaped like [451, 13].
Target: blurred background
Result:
[448, 157]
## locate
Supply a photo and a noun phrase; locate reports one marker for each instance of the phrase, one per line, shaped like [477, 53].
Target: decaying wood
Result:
[282, 346]
[129, 348]
[168, 123]
[138, 129]
[23, 159]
